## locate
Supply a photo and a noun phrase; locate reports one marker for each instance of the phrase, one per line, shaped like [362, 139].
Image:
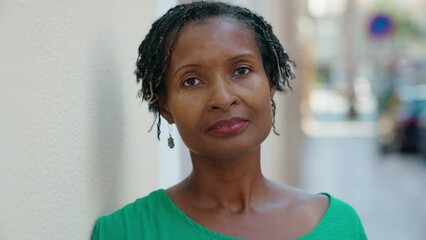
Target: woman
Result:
[213, 69]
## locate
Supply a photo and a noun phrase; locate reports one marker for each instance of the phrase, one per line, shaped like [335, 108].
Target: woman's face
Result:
[218, 94]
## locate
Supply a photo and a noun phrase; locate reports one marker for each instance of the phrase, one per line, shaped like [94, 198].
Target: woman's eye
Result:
[242, 71]
[190, 82]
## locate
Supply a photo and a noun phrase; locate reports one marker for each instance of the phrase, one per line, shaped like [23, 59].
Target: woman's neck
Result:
[232, 184]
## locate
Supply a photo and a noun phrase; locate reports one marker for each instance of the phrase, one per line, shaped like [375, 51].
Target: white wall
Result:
[73, 136]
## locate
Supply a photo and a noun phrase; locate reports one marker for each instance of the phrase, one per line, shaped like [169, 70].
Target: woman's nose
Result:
[222, 95]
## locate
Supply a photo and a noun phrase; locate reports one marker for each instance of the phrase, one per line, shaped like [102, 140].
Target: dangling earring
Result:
[274, 108]
[170, 140]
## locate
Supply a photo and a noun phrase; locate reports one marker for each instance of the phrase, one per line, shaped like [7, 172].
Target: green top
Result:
[157, 217]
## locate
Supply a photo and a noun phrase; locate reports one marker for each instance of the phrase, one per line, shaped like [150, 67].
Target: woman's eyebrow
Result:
[184, 66]
[232, 59]
[244, 55]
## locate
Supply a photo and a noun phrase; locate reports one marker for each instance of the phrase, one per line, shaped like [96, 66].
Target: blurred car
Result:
[422, 133]
[402, 127]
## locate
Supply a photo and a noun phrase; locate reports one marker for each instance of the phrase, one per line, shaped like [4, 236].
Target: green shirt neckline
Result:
[163, 194]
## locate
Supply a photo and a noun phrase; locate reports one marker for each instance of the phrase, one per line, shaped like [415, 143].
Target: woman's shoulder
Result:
[319, 205]
[324, 216]
[307, 210]
[342, 213]
[324, 206]
[131, 216]
[339, 221]
[305, 206]
[143, 205]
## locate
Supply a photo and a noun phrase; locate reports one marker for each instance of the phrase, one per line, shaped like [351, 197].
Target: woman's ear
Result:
[165, 111]
[272, 89]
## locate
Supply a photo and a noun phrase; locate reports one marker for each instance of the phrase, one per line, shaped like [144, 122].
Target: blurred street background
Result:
[364, 112]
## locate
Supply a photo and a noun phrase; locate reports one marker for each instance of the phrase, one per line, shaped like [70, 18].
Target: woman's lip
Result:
[228, 126]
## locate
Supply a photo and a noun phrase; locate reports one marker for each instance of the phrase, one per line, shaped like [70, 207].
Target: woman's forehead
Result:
[212, 36]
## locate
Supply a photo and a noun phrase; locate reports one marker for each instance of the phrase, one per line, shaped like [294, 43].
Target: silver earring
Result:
[170, 140]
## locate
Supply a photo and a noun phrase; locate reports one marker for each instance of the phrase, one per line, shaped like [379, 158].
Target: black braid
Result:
[156, 48]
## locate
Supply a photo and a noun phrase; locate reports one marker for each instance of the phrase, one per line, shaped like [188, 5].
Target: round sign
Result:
[381, 25]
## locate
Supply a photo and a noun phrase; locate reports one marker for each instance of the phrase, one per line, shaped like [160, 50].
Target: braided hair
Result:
[156, 48]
